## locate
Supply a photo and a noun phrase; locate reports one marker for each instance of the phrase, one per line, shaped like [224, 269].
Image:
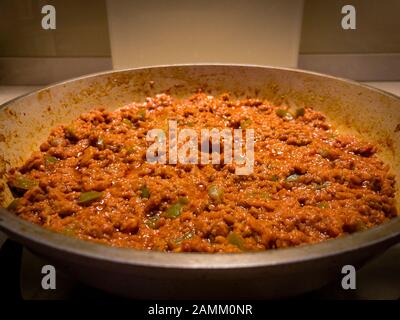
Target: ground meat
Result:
[91, 180]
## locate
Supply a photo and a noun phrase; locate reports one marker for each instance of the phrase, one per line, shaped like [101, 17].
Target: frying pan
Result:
[353, 108]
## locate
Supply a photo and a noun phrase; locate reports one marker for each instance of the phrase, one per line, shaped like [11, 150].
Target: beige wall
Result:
[378, 27]
[82, 29]
[153, 32]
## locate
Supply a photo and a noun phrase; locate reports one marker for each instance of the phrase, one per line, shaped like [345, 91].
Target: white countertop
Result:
[380, 279]
[10, 92]
[389, 86]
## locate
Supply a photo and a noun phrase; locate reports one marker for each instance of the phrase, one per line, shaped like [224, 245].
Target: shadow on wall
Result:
[30, 55]
[81, 29]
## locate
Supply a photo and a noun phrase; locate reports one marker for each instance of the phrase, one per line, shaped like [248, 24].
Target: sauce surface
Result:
[91, 180]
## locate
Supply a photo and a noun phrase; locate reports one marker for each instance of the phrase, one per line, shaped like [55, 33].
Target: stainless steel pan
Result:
[369, 113]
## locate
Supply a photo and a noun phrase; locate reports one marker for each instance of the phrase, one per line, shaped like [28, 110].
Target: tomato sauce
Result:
[91, 180]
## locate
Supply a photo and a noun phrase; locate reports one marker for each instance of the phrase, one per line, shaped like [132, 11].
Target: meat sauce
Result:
[91, 180]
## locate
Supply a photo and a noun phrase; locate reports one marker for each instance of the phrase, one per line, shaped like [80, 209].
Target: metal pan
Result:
[363, 111]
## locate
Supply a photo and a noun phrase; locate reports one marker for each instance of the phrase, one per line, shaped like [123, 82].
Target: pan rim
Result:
[26, 231]
[115, 71]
